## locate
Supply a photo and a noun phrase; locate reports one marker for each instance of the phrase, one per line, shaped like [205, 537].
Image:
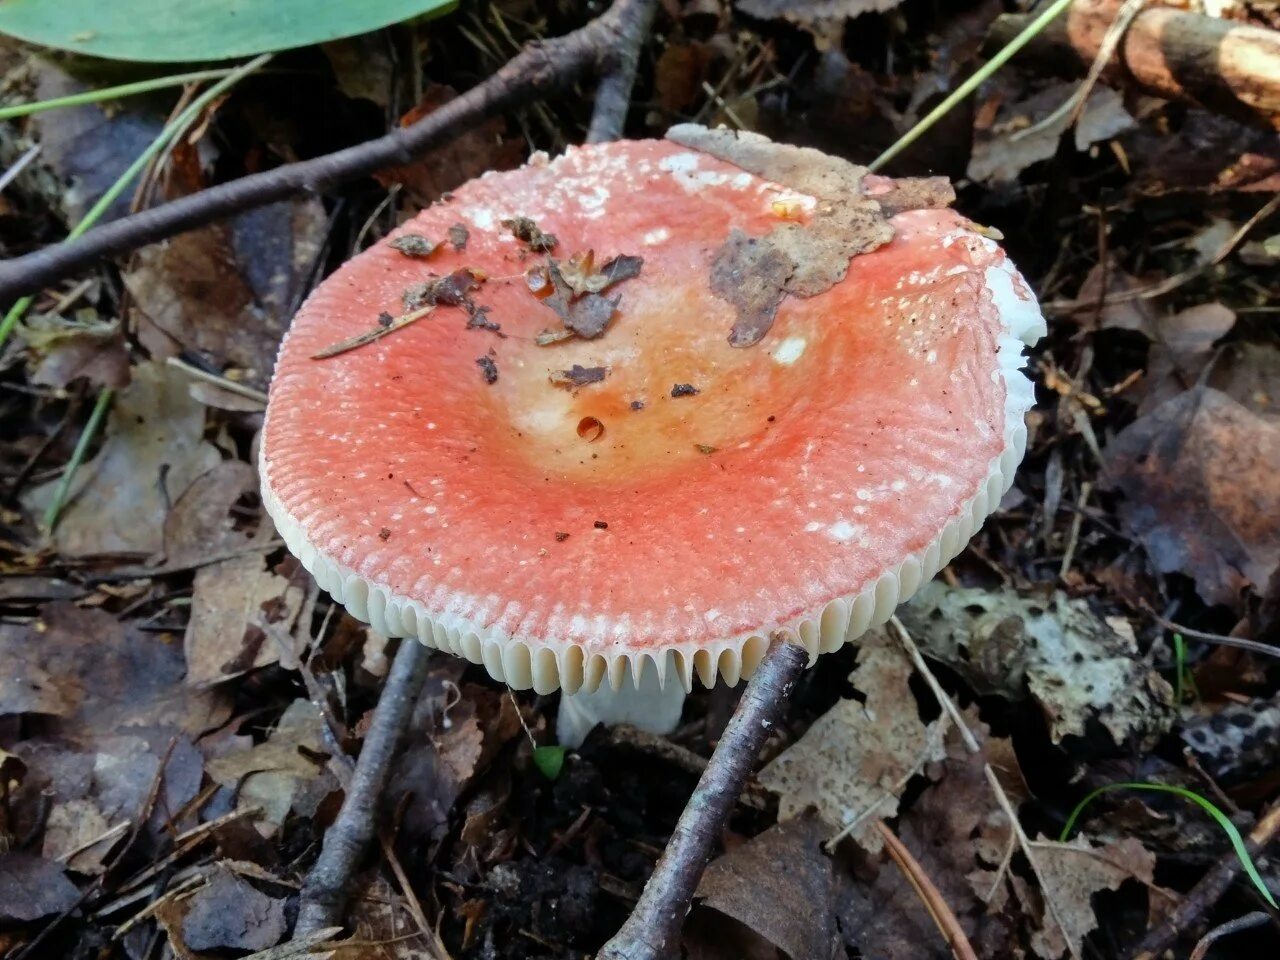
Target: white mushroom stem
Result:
[652, 706]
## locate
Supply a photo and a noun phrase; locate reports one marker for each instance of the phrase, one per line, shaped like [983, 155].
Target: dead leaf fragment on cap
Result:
[803, 260]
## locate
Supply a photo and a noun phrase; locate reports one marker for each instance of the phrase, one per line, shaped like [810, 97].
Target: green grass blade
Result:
[77, 457]
[111, 93]
[969, 86]
[1237, 841]
[171, 132]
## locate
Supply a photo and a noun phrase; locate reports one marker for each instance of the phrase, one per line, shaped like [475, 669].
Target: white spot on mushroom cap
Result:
[789, 350]
[842, 530]
[655, 237]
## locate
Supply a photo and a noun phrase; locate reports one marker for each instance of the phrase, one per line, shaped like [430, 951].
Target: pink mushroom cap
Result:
[811, 484]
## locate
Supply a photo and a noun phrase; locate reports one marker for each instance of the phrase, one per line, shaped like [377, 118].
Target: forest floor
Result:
[176, 692]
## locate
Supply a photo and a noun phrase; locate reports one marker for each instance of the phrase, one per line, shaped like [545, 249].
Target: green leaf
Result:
[549, 760]
[1237, 841]
[181, 31]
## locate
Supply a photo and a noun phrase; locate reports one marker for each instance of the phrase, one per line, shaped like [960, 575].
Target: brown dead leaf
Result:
[779, 884]
[229, 913]
[1100, 286]
[856, 759]
[283, 774]
[1056, 649]
[1018, 137]
[363, 66]
[224, 292]
[62, 352]
[958, 834]
[464, 157]
[200, 521]
[1198, 477]
[798, 259]
[1249, 373]
[1073, 873]
[680, 72]
[32, 887]
[384, 925]
[88, 147]
[73, 835]
[229, 599]
[154, 450]
[108, 675]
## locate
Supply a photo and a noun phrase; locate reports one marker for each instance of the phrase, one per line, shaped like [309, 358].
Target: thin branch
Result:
[940, 911]
[653, 929]
[540, 69]
[613, 95]
[325, 892]
[1205, 894]
[971, 745]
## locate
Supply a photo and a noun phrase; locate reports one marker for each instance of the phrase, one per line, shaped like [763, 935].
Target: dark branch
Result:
[653, 929]
[324, 895]
[1206, 894]
[535, 72]
[613, 96]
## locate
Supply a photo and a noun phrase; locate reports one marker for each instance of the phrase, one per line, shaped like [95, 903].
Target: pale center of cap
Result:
[666, 339]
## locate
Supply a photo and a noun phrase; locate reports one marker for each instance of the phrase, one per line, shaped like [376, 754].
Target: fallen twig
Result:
[536, 71]
[1222, 64]
[613, 95]
[971, 745]
[1205, 894]
[653, 928]
[325, 892]
[943, 916]
[374, 333]
[1247, 922]
[222, 383]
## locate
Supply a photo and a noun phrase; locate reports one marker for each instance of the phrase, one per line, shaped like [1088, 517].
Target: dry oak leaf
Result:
[284, 773]
[229, 913]
[154, 450]
[1199, 478]
[856, 759]
[780, 885]
[1072, 873]
[1077, 667]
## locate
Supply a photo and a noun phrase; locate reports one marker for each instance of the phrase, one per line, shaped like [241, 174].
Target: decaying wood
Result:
[1231, 68]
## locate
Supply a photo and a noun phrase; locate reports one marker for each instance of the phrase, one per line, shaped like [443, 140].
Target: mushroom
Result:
[617, 537]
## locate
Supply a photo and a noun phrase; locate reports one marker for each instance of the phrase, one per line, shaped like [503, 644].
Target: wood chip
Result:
[376, 333]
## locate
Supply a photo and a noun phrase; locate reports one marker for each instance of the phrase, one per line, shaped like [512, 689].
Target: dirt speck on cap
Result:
[488, 368]
[414, 245]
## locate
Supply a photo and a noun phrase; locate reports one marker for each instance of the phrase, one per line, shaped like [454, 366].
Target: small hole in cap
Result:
[590, 429]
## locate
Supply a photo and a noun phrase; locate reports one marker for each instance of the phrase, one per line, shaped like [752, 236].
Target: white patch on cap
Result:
[481, 217]
[789, 350]
[680, 163]
[595, 201]
[842, 530]
[1018, 309]
[655, 237]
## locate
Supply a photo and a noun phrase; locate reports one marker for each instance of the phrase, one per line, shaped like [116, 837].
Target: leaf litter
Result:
[162, 635]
